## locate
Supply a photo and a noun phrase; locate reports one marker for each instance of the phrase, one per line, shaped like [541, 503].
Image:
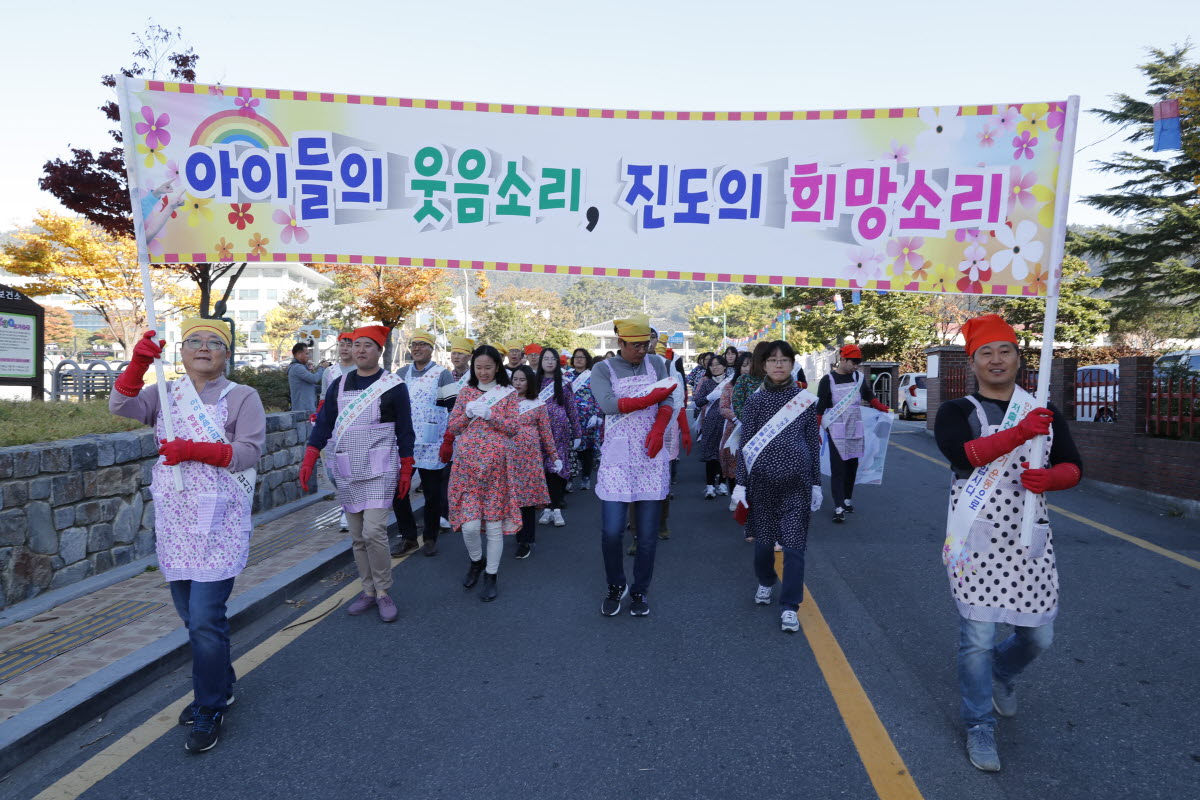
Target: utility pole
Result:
[467, 302]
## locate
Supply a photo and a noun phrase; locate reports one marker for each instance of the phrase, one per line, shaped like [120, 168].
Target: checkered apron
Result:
[366, 459]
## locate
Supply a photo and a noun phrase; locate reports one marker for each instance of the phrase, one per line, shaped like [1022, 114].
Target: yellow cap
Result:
[515, 344]
[199, 325]
[422, 336]
[461, 344]
[634, 329]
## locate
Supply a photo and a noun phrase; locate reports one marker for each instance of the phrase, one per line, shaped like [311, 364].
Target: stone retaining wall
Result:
[78, 507]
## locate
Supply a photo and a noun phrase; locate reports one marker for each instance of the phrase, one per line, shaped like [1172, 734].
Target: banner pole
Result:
[144, 262]
[1058, 236]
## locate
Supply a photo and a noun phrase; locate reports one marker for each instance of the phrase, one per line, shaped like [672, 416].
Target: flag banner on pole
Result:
[956, 199]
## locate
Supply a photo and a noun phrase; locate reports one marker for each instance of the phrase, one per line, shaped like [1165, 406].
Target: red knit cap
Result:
[851, 351]
[347, 335]
[532, 349]
[376, 333]
[985, 330]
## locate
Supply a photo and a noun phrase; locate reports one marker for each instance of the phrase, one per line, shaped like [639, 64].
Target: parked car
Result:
[1096, 393]
[911, 394]
[1184, 363]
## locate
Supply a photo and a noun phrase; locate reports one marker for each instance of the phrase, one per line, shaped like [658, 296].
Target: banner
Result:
[954, 199]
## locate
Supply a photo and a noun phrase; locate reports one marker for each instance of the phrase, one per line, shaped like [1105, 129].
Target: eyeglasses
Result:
[639, 345]
[216, 345]
[779, 362]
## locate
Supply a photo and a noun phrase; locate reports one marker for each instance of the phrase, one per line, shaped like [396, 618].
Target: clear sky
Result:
[654, 54]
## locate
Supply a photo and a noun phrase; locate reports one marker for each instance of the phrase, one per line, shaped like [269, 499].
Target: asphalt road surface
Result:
[538, 696]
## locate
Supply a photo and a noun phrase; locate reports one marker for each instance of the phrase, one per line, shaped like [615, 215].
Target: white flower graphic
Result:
[1022, 249]
[945, 128]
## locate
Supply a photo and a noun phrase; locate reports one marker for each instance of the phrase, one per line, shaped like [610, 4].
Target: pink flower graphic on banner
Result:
[975, 264]
[1007, 120]
[971, 235]
[1057, 120]
[986, 137]
[155, 130]
[245, 103]
[291, 226]
[1020, 188]
[1024, 144]
[1023, 250]
[172, 171]
[898, 152]
[865, 265]
[240, 215]
[903, 252]
[258, 245]
[216, 90]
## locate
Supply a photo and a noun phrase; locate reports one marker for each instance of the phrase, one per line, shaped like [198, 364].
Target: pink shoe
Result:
[387, 609]
[361, 604]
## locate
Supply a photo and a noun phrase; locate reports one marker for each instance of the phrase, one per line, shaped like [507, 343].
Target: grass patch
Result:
[30, 422]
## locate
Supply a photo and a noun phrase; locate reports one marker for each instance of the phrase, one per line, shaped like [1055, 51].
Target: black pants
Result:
[432, 481]
[587, 460]
[558, 487]
[712, 472]
[446, 490]
[528, 531]
[841, 476]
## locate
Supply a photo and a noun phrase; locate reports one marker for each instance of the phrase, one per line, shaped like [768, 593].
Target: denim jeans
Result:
[612, 529]
[793, 571]
[201, 606]
[980, 660]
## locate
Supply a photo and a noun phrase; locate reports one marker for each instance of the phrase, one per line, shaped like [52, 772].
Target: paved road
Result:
[538, 696]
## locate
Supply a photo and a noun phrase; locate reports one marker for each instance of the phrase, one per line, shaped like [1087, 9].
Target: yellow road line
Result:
[1142, 543]
[99, 766]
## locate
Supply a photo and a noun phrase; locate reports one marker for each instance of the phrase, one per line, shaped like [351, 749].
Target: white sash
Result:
[348, 414]
[495, 395]
[452, 389]
[547, 392]
[581, 380]
[978, 490]
[851, 397]
[715, 394]
[776, 425]
[194, 417]
[525, 406]
[612, 422]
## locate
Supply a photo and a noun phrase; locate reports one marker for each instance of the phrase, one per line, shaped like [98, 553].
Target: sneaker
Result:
[722, 489]
[1004, 699]
[404, 547]
[733, 505]
[344, 524]
[664, 533]
[558, 518]
[586, 484]
[361, 605]
[524, 549]
[387, 609]
[763, 595]
[789, 622]
[188, 715]
[849, 506]
[544, 519]
[443, 523]
[638, 607]
[612, 601]
[206, 730]
[709, 493]
[839, 514]
[430, 548]
[570, 487]
[981, 748]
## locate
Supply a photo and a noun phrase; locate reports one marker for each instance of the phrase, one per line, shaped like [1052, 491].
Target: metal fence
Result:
[1173, 407]
[74, 381]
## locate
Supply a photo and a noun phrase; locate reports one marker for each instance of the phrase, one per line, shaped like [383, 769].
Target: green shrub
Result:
[30, 422]
[271, 385]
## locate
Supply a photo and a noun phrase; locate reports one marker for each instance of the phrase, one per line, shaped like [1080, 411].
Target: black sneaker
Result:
[849, 506]
[638, 607]
[839, 514]
[188, 715]
[612, 603]
[206, 730]
[524, 549]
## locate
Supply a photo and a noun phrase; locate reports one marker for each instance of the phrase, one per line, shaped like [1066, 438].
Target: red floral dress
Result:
[530, 448]
[481, 486]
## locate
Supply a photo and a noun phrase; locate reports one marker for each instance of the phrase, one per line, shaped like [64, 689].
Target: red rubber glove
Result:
[654, 439]
[1056, 478]
[740, 514]
[987, 449]
[405, 482]
[131, 380]
[446, 451]
[311, 454]
[178, 450]
[878, 406]
[628, 404]
[685, 432]
[313, 418]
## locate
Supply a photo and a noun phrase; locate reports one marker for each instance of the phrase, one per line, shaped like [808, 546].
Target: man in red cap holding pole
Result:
[367, 418]
[994, 576]
[840, 396]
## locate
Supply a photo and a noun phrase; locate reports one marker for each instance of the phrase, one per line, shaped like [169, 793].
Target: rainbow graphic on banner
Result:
[229, 127]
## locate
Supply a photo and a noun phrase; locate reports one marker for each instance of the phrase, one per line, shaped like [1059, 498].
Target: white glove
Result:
[593, 422]
[556, 466]
[470, 409]
[577, 444]
[816, 499]
[739, 495]
[483, 411]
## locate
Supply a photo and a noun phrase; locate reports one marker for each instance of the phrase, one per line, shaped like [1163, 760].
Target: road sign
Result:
[676, 337]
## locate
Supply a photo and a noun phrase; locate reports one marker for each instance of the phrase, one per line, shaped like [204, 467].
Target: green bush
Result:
[30, 422]
[271, 385]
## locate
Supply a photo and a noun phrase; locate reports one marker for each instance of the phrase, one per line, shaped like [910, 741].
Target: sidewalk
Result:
[63, 664]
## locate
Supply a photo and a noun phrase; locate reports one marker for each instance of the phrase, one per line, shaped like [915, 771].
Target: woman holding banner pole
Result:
[779, 478]
[988, 438]
[202, 532]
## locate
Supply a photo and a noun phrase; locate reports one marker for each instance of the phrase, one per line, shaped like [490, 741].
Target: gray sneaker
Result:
[981, 748]
[789, 621]
[1004, 699]
[763, 595]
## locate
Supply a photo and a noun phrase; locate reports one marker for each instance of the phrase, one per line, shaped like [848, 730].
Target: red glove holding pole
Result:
[176, 451]
[405, 482]
[987, 449]
[446, 451]
[878, 406]
[627, 404]
[685, 432]
[131, 380]
[1053, 479]
[311, 454]
[313, 416]
[654, 439]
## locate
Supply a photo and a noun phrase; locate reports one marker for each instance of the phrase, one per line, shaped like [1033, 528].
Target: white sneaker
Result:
[344, 524]
[722, 489]
[558, 518]
[733, 505]
[544, 519]
[443, 523]
[763, 595]
[709, 493]
[789, 622]
[586, 485]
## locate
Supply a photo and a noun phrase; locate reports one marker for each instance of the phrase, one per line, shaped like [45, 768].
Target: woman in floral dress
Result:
[587, 412]
[556, 393]
[531, 448]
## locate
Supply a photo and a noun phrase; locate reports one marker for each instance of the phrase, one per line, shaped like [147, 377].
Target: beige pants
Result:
[372, 556]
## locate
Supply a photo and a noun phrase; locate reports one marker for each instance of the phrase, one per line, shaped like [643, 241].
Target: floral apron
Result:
[428, 419]
[626, 473]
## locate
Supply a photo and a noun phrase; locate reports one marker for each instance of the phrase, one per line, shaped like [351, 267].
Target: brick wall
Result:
[78, 507]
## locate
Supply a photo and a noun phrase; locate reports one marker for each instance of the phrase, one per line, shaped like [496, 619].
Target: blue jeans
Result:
[612, 533]
[980, 660]
[201, 605]
[793, 571]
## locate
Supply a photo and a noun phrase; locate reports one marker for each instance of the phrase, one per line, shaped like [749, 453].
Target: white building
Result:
[667, 333]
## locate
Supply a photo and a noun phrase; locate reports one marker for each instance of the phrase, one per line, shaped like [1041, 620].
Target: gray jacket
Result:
[303, 385]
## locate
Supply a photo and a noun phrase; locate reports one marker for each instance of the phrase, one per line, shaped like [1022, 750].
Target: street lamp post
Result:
[724, 326]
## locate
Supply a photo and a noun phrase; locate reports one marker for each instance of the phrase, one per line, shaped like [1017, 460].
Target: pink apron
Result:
[626, 473]
[366, 462]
